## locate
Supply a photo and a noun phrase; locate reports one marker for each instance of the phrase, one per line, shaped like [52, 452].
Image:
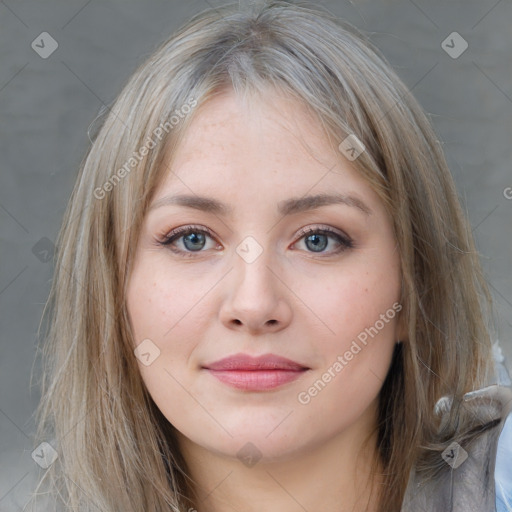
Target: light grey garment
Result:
[470, 486]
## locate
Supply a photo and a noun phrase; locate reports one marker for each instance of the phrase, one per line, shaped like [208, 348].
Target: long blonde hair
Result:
[116, 450]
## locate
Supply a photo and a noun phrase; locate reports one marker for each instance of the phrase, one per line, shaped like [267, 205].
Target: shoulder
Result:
[466, 482]
[503, 474]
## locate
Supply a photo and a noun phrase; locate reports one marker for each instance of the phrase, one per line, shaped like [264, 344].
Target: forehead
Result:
[253, 127]
[262, 148]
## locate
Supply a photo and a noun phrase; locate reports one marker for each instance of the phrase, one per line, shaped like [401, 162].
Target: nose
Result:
[257, 298]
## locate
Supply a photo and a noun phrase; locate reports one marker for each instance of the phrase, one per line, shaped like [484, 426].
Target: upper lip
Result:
[246, 362]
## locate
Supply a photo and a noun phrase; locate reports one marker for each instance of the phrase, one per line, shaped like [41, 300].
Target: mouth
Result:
[262, 373]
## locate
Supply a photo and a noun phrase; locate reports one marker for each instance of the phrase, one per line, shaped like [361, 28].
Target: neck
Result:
[333, 477]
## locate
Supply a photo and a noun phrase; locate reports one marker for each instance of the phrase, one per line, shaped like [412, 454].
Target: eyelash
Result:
[344, 241]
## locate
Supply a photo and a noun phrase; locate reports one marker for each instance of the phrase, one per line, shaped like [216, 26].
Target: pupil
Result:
[318, 245]
[196, 241]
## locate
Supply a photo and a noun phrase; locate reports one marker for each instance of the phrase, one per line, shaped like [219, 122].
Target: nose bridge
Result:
[256, 298]
[254, 268]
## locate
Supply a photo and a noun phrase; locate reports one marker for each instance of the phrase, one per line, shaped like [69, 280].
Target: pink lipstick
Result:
[262, 373]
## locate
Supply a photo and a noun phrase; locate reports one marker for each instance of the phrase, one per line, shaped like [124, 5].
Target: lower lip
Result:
[256, 380]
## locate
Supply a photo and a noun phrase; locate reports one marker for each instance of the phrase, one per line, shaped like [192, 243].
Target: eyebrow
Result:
[286, 207]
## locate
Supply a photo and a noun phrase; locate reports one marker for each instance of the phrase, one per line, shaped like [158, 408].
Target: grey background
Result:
[47, 105]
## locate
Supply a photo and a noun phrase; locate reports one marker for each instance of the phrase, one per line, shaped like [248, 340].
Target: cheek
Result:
[148, 301]
[167, 311]
[160, 304]
[358, 309]
[347, 302]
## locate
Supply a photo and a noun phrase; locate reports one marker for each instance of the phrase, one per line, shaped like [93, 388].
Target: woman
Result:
[266, 295]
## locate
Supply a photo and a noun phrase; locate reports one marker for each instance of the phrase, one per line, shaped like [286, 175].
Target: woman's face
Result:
[265, 269]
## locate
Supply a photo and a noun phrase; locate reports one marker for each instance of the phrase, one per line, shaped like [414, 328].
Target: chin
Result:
[256, 447]
[264, 442]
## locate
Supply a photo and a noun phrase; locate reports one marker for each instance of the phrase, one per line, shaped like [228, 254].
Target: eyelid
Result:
[325, 229]
[175, 234]
[344, 241]
[182, 230]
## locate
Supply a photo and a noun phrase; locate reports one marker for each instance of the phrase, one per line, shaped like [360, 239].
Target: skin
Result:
[291, 301]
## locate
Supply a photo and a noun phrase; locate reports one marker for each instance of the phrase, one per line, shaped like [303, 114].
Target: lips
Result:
[261, 373]
[244, 362]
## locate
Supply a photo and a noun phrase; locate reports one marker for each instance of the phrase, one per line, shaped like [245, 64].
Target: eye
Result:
[317, 240]
[193, 239]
